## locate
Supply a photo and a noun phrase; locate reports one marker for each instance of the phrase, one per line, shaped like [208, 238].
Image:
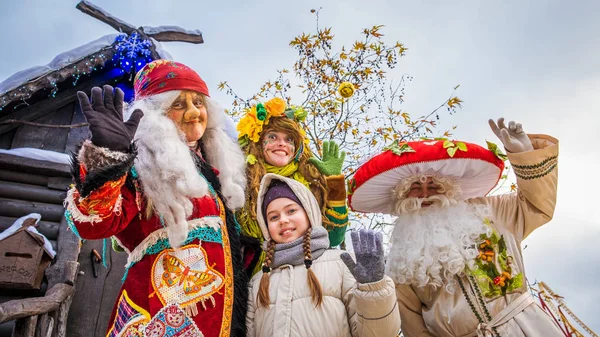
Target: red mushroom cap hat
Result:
[476, 169]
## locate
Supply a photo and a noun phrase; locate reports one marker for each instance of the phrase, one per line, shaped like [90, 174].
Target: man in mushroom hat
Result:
[455, 253]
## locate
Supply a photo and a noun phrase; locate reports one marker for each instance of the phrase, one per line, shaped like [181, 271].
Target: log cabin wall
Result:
[36, 186]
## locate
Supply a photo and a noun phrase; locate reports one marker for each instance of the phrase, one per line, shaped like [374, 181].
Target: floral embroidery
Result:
[172, 321]
[493, 270]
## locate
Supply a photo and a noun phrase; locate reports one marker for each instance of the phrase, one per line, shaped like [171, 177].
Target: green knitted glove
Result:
[332, 161]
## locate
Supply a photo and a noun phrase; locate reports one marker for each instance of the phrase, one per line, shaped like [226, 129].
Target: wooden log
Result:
[49, 327]
[59, 183]
[100, 14]
[61, 317]
[28, 192]
[25, 327]
[16, 309]
[34, 166]
[175, 35]
[20, 177]
[48, 228]
[42, 325]
[19, 208]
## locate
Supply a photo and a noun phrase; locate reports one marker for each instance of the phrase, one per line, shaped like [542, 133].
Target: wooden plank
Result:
[25, 327]
[35, 306]
[56, 138]
[100, 14]
[177, 36]
[112, 289]
[48, 228]
[20, 177]
[32, 136]
[6, 140]
[19, 208]
[94, 311]
[49, 105]
[34, 166]
[61, 317]
[77, 135]
[28, 192]
[42, 325]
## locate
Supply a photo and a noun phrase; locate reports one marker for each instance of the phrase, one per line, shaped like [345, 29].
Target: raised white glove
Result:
[513, 137]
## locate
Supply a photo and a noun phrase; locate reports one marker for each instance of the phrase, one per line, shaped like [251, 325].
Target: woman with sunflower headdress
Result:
[273, 140]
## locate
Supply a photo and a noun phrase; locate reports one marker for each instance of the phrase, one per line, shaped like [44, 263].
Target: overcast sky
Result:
[536, 62]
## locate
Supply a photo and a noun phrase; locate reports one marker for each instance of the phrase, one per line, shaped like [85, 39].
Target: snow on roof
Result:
[39, 154]
[160, 29]
[60, 61]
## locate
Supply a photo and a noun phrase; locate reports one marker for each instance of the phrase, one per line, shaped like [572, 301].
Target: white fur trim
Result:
[93, 157]
[138, 252]
[224, 154]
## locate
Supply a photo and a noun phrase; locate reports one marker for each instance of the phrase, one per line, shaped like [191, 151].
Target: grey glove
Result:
[368, 249]
[513, 137]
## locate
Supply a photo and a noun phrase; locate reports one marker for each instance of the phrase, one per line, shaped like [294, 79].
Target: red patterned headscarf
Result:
[163, 75]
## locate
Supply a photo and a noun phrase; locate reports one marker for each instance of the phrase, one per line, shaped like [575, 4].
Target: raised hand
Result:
[513, 137]
[332, 161]
[368, 249]
[105, 115]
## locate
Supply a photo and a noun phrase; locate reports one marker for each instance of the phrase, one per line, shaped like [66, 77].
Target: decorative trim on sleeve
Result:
[539, 170]
[337, 216]
[98, 205]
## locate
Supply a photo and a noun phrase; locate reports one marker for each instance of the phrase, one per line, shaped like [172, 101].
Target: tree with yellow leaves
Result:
[348, 95]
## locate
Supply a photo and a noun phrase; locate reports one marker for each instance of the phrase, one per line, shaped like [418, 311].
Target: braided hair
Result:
[316, 291]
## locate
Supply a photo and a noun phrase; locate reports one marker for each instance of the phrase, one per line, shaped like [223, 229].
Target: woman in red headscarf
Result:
[163, 184]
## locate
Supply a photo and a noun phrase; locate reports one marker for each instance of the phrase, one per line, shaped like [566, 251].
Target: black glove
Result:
[106, 118]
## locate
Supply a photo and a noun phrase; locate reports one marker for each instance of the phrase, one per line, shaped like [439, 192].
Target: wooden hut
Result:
[41, 124]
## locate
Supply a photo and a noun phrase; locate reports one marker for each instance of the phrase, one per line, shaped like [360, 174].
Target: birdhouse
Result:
[24, 256]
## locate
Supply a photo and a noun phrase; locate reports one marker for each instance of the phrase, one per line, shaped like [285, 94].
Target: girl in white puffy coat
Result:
[304, 288]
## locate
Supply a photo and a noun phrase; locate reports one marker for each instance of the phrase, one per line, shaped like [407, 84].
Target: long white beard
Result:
[166, 168]
[430, 246]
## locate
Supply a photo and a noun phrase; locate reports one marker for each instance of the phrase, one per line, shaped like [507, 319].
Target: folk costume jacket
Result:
[495, 301]
[196, 290]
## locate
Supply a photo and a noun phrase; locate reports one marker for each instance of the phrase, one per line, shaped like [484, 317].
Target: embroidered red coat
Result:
[185, 292]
